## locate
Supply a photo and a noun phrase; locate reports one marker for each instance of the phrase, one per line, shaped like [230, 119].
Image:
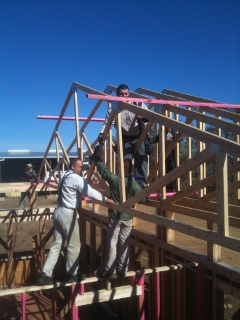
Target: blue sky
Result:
[187, 46]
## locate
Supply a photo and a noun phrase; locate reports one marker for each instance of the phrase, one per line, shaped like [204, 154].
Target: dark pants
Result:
[140, 158]
[170, 165]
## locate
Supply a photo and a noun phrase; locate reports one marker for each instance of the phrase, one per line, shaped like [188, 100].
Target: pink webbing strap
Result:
[69, 118]
[161, 101]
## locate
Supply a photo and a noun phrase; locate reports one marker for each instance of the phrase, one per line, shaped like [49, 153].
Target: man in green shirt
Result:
[120, 225]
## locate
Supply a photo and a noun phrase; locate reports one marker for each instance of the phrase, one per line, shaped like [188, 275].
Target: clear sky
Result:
[187, 46]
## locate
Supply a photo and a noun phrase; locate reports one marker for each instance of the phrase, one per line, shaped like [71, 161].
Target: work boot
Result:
[106, 275]
[44, 280]
[75, 278]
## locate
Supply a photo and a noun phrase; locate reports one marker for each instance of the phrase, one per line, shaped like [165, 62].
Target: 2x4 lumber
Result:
[42, 232]
[185, 96]
[92, 247]
[109, 123]
[10, 274]
[218, 112]
[24, 215]
[70, 118]
[169, 177]
[79, 149]
[204, 183]
[213, 250]
[189, 156]
[51, 172]
[95, 279]
[13, 187]
[58, 157]
[62, 146]
[143, 136]
[177, 157]
[161, 157]
[110, 153]
[89, 148]
[232, 187]
[233, 116]
[224, 144]
[199, 214]
[202, 167]
[218, 123]
[222, 193]
[166, 151]
[56, 128]
[120, 157]
[157, 95]
[210, 206]
[72, 89]
[162, 101]
[86, 89]
[236, 138]
[203, 234]
[140, 238]
[82, 229]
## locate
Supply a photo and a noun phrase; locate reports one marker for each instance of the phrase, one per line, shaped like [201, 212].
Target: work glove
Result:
[100, 138]
[154, 139]
[96, 154]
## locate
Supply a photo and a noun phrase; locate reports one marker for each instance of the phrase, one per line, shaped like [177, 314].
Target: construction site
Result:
[185, 244]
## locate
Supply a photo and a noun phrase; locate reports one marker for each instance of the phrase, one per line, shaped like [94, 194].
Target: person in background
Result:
[120, 225]
[132, 127]
[29, 175]
[65, 221]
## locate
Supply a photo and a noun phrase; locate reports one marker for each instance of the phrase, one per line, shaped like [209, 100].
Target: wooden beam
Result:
[169, 177]
[163, 101]
[203, 234]
[79, 147]
[120, 158]
[222, 194]
[108, 295]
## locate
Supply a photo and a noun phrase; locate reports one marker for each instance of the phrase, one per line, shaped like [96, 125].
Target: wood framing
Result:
[204, 208]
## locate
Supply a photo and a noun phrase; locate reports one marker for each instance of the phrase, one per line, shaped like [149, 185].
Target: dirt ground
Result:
[231, 305]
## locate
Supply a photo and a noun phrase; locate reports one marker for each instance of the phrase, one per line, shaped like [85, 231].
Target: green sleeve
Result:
[106, 174]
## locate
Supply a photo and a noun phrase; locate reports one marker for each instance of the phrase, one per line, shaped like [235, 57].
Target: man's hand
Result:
[100, 138]
[142, 118]
[96, 154]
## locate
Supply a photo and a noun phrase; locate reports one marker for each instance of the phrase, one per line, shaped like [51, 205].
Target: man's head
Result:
[123, 90]
[128, 167]
[29, 167]
[76, 165]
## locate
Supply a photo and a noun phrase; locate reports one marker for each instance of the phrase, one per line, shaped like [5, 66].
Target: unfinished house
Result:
[185, 245]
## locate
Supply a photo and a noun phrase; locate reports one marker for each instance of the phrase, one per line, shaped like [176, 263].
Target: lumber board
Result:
[211, 206]
[25, 186]
[200, 214]
[142, 239]
[108, 295]
[187, 229]
[231, 127]
[233, 168]
[169, 177]
[224, 144]
[120, 157]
